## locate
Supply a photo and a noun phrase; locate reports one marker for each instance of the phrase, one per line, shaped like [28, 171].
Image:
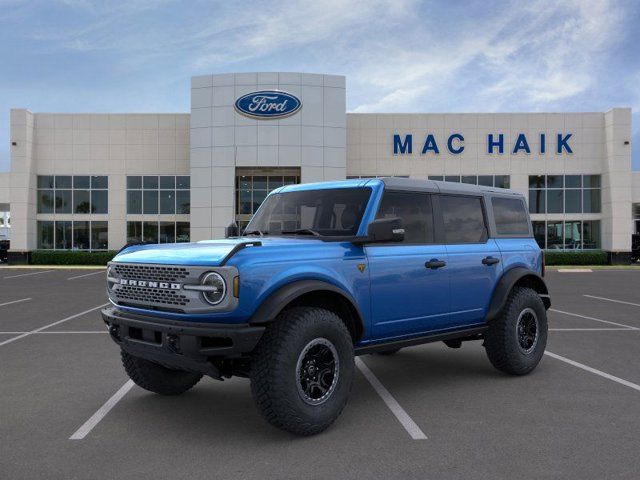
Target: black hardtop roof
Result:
[413, 184]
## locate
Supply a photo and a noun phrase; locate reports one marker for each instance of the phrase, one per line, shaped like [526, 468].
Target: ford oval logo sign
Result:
[268, 104]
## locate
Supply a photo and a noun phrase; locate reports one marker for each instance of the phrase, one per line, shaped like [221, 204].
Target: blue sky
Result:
[398, 55]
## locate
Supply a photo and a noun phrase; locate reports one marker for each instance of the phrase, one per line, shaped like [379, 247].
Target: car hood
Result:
[204, 253]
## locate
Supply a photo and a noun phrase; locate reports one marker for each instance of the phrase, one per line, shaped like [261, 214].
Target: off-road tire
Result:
[501, 339]
[274, 379]
[391, 351]
[156, 378]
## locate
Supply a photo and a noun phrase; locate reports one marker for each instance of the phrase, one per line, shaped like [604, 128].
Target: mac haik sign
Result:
[495, 144]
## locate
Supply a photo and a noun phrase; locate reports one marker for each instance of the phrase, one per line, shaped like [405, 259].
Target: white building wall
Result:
[313, 139]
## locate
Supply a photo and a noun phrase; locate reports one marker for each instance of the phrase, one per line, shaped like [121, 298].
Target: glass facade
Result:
[158, 232]
[499, 181]
[564, 194]
[153, 194]
[73, 194]
[72, 235]
[568, 234]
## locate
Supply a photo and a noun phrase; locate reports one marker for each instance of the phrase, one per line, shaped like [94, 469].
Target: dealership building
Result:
[98, 181]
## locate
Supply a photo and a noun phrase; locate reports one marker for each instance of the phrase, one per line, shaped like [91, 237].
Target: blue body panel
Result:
[395, 293]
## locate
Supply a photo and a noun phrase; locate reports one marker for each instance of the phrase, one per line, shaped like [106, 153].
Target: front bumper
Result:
[181, 345]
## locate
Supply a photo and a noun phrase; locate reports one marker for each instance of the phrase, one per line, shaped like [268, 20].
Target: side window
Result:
[415, 211]
[463, 219]
[510, 215]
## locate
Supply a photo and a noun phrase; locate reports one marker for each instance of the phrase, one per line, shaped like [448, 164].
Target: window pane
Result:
[64, 235]
[573, 201]
[45, 201]
[244, 181]
[290, 180]
[275, 182]
[510, 216]
[81, 201]
[258, 198]
[183, 201]
[168, 183]
[63, 201]
[536, 201]
[45, 235]
[591, 201]
[134, 232]
[573, 235]
[463, 219]
[554, 235]
[182, 232]
[167, 201]
[572, 181]
[244, 202]
[591, 181]
[415, 212]
[485, 180]
[452, 178]
[150, 232]
[538, 233]
[45, 181]
[81, 235]
[81, 182]
[167, 232]
[183, 181]
[537, 181]
[502, 181]
[437, 178]
[150, 183]
[259, 183]
[134, 182]
[591, 234]
[63, 181]
[555, 201]
[471, 179]
[134, 202]
[555, 181]
[150, 202]
[100, 182]
[99, 201]
[99, 235]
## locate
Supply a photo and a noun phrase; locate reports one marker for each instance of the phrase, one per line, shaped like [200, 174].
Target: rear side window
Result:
[463, 219]
[511, 216]
[414, 209]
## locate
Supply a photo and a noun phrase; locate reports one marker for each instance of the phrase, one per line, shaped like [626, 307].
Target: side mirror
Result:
[231, 230]
[384, 230]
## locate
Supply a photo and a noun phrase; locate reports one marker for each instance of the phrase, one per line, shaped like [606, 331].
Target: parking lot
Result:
[68, 411]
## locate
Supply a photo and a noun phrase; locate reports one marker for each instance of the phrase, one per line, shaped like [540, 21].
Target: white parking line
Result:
[86, 275]
[87, 426]
[38, 330]
[76, 332]
[27, 274]
[594, 319]
[612, 300]
[619, 380]
[403, 417]
[15, 301]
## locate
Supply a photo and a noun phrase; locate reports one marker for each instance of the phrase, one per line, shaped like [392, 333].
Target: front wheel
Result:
[302, 370]
[517, 338]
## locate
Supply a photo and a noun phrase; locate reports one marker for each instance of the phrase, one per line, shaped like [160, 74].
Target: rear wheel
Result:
[302, 370]
[516, 340]
[156, 378]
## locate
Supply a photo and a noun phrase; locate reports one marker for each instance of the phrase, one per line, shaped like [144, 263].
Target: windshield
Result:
[325, 212]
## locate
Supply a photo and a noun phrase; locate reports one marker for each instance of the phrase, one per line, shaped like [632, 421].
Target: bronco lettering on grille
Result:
[149, 284]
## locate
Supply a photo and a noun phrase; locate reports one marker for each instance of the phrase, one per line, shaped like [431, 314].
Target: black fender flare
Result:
[278, 300]
[509, 280]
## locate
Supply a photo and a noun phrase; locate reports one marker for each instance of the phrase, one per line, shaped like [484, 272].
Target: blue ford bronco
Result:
[324, 272]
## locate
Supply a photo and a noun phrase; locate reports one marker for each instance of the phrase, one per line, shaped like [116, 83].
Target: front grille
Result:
[145, 296]
[149, 272]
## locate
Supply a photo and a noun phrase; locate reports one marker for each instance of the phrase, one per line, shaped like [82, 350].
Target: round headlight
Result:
[216, 288]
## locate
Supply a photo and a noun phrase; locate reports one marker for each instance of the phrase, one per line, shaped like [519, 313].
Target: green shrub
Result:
[67, 257]
[588, 257]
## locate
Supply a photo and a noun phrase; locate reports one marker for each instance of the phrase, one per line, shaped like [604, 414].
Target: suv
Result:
[324, 272]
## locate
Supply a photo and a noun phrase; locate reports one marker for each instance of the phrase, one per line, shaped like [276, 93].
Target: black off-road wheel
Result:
[302, 370]
[156, 378]
[517, 338]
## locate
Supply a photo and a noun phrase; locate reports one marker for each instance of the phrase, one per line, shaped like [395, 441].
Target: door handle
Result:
[490, 261]
[434, 263]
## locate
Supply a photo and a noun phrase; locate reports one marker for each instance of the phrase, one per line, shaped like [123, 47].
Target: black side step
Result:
[434, 337]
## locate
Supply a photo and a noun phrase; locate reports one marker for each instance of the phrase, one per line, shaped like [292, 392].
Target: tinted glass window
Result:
[510, 215]
[414, 210]
[463, 219]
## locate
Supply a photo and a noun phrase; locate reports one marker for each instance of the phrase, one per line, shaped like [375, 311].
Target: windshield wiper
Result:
[301, 231]
[254, 232]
